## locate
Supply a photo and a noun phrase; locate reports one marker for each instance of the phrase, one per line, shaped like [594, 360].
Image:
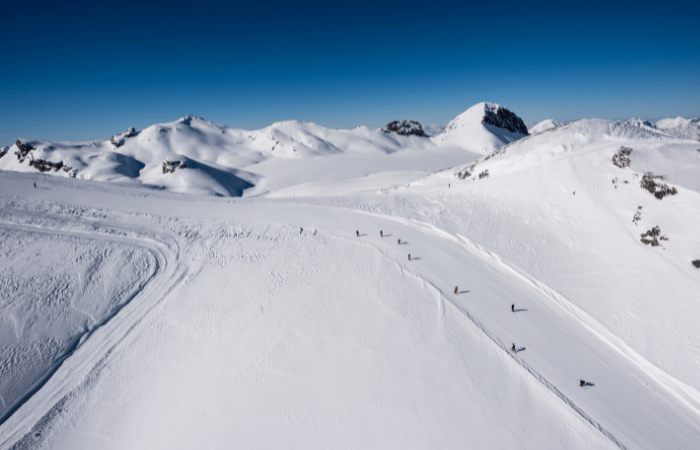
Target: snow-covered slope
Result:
[134, 317]
[220, 157]
[570, 206]
[680, 127]
[482, 128]
[544, 125]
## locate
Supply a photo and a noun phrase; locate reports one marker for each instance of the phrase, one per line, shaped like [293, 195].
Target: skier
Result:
[399, 241]
[512, 307]
[381, 233]
[357, 233]
[455, 289]
[409, 256]
[34, 185]
[582, 383]
[513, 347]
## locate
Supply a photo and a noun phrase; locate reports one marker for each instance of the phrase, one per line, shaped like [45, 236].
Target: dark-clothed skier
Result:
[513, 347]
[512, 307]
[357, 233]
[455, 289]
[35, 185]
[409, 256]
[381, 233]
[399, 241]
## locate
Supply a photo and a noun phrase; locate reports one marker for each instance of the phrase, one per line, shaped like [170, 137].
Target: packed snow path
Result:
[631, 403]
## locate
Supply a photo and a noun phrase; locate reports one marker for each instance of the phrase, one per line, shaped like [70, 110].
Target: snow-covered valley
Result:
[249, 300]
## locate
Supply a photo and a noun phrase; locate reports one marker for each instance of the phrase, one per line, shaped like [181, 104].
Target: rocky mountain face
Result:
[503, 118]
[406, 127]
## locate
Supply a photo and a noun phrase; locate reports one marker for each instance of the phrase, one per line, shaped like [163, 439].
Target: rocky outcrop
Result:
[503, 118]
[22, 150]
[405, 127]
[3, 151]
[622, 158]
[118, 139]
[171, 166]
[652, 237]
[44, 166]
[659, 190]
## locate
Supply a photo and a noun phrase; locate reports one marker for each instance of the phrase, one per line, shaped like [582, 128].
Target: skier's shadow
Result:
[521, 349]
[520, 310]
[414, 259]
[404, 243]
[588, 383]
[463, 292]
[362, 235]
[387, 235]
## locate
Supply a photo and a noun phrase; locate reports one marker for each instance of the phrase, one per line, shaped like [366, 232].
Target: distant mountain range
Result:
[192, 155]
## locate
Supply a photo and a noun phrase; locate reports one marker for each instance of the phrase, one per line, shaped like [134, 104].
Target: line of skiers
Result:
[582, 383]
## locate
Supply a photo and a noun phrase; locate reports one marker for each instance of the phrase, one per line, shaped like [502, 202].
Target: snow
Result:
[680, 127]
[543, 126]
[467, 130]
[141, 316]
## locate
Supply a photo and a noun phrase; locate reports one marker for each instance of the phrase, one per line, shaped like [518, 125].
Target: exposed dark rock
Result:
[652, 237]
[44, 166]
[637, 215]
[22, 150]
[466, 173]
[696, 263]
[622, 158]
[119, 139]
[406, 127]
[170, 166]
[484, 174]
[504, 118]
[3, 151]
[659, 190]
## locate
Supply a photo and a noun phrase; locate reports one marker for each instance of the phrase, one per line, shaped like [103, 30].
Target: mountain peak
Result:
[484, 127]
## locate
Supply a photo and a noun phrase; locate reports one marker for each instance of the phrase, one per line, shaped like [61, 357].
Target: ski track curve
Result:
[72, 369]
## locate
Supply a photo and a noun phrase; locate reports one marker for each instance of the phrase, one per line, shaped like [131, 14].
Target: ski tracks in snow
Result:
[676, 390]
[74, 369]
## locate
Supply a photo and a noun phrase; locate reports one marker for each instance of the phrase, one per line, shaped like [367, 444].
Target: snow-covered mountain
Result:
[226, 161]
[483, 128]
[369, 290]
[544, 125]
[680, 127]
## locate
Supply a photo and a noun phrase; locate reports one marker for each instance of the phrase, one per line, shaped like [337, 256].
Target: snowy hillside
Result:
[680, 127]
[544, 125]
[219, 157]
[577, 209]
[481, 288]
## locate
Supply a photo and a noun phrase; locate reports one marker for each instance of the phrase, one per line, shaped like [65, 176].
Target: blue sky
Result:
[85, 70]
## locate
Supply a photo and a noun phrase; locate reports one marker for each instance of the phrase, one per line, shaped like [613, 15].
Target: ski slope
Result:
[270, 324]
[200, 286]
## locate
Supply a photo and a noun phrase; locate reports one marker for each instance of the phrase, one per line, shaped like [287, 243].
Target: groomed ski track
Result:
[556, 344]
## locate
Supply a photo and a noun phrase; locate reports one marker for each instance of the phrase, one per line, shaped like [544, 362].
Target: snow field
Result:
[268, 323]
[48, 303]
[292, 338]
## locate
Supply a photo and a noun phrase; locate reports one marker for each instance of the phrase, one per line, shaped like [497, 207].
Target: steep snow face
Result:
[544, 125]
[680, 127]
[483, 128]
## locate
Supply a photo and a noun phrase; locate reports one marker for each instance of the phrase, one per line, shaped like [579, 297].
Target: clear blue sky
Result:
[87, 70]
